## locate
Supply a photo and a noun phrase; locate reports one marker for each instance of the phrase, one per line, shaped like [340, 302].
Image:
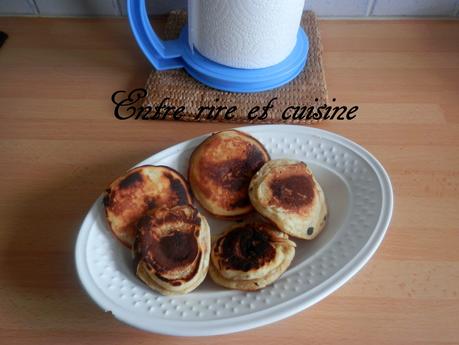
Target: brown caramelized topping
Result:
[230, 172]
[131, 180]
[173, 249]
[292, 192]
[176, 250]
[178, 189]
[245, 248]
[235, 174]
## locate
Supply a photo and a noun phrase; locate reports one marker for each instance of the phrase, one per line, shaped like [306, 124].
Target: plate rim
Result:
[276, 313]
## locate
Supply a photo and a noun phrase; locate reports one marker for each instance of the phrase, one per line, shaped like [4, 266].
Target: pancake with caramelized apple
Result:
[287, 193]
[220, 171]
[171, 249]
[250, 256]
[140, 190]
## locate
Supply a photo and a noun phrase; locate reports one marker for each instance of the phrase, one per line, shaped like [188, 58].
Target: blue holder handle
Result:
[163, 55]
[175, 54]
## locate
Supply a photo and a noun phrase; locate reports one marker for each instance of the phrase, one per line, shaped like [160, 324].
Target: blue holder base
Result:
[245, 80]
[166, 55]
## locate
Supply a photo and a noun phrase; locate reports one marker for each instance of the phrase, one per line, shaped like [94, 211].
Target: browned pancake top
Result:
[167, 240]
[131, 196]
[245, 248]
[134, 188]
[225, 166]
[293, 188]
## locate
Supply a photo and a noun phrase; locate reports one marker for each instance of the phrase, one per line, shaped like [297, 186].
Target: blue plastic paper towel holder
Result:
[175, 54]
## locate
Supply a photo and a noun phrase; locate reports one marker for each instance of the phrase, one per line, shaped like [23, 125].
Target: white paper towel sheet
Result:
[244, 33]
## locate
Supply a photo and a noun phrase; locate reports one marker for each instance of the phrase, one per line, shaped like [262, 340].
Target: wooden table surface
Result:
[60, 146]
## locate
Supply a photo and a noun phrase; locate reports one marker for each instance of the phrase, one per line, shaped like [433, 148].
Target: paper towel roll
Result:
[244, 33]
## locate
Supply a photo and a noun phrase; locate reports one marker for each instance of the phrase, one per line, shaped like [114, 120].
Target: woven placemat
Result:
[308, 89]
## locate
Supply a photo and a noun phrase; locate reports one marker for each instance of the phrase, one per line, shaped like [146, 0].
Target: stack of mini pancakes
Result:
[151, 211]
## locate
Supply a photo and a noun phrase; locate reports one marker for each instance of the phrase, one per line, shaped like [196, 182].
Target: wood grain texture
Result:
[60, 146]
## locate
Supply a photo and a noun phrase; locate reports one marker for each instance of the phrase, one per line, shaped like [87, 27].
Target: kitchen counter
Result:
[60, 145]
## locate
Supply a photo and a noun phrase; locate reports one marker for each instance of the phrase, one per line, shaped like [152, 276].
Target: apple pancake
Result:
[171, 249]
[250, 256]
[220, 171]
[141, 189]
[287, 193]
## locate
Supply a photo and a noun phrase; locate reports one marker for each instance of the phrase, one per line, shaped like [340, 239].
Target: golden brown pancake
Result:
[142, 189]
[287, 193]
[171, 249]
[250, 256]
[220, 171]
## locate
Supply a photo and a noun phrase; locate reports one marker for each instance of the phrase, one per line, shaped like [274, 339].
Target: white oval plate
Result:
[360, 200]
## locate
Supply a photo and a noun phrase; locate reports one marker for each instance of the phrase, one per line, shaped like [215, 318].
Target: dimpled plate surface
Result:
[360, 199]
